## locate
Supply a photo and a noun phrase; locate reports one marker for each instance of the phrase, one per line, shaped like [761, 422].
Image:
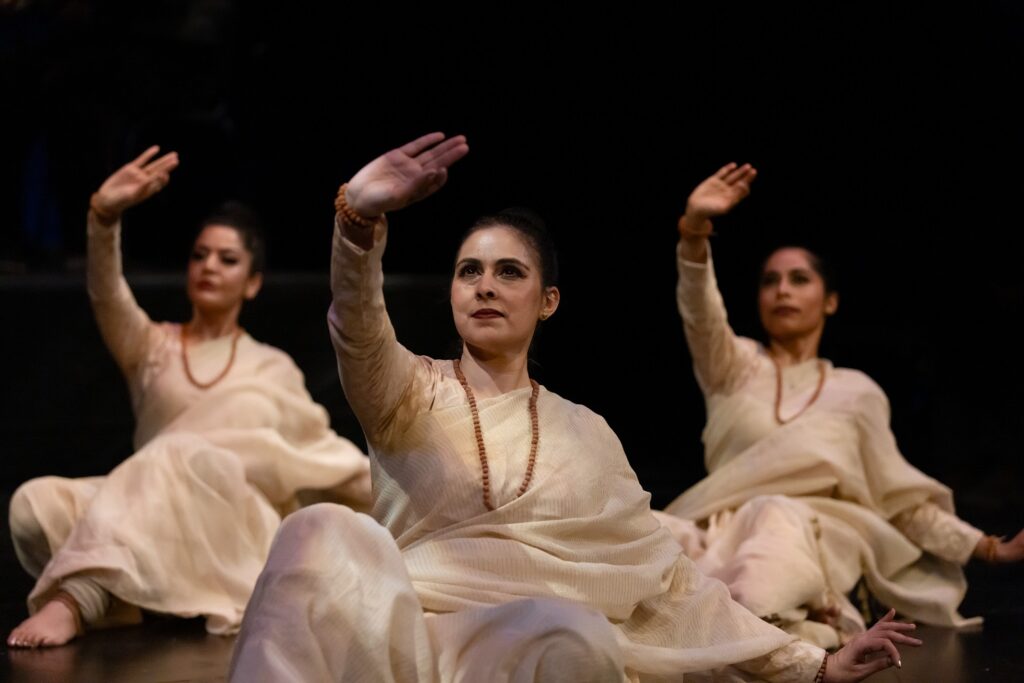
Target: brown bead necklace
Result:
[482, 451]
[778, 392]
[223, 373]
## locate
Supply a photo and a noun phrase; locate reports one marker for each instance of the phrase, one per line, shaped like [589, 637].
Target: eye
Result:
[769, 279]
[800, 278]
[510, 271]
[468, 270]
[229, 259]
[198, 254]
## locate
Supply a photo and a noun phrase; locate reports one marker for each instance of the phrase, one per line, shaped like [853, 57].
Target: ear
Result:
[252, 286]
[831, 303]
[551, 298]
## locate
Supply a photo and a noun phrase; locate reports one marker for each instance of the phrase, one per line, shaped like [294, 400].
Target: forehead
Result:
[789, 258]
[494, 243]
[220, 237]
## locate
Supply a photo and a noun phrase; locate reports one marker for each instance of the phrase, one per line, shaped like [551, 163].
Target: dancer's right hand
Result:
[404, 175]
[135, 182]
[721, 192]
[871, 651]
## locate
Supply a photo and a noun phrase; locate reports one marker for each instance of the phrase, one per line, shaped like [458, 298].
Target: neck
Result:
[795, 350]
[494, 374]
[206, 325]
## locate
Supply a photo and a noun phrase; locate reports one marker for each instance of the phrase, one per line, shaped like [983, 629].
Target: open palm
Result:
[404, 175]
[721, 192]
[135, 182]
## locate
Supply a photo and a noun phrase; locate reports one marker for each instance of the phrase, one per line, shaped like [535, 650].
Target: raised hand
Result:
[721, 192]
[404, 175]
[135, 182]
[871, 651]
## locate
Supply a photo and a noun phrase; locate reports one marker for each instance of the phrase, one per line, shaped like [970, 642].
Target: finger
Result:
[725, 170]
[158, 179]
[434, 156]
[167, 162]
[906, 640]
[885, 644]
[419, 144]
[886, 620]
[894, 626]
[450, 156]
[736, 174]
[874, 666]
[146, 156]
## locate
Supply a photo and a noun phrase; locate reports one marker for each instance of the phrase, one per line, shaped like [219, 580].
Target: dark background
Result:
[887, 138]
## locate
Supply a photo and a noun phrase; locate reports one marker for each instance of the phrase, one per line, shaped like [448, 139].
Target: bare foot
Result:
[53, 625]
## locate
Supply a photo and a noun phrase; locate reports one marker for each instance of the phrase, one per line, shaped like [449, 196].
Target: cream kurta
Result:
[791, 516]
[581, 542]
[184, 525]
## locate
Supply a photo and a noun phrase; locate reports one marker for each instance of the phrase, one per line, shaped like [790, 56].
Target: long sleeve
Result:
[126, 329]
[939, 532]
[720, 358]
[920, 507]
[384, 382]
[797, 662]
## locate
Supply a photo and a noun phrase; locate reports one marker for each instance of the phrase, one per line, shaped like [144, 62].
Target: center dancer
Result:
[510, 539]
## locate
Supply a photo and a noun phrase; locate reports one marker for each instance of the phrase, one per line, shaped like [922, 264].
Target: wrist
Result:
[988, 549]
[694, 227]
[346, 206]
[349, 204]
[822, 676]
[103, 214]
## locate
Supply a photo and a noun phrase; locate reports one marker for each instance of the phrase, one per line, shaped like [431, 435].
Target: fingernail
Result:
[899, 663]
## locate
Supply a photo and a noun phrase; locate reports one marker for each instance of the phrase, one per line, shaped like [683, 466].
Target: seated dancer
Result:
[512, 541]
[226, 433]
[806, 489]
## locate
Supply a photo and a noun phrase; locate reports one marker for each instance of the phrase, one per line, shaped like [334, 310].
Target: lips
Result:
[785, 310]
[487, 314]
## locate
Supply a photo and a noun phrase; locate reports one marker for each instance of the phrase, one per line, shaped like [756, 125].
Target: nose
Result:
[210, 262]
[485, 287]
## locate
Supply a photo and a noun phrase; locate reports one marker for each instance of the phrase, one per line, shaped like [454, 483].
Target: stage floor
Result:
[166, 650]
[181, 651]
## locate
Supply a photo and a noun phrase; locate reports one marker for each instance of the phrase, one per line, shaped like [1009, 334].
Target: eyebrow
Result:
[224, 250]
[499, 262]
[798, 269]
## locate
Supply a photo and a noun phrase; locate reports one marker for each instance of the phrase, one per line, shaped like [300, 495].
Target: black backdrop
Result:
[888, 138]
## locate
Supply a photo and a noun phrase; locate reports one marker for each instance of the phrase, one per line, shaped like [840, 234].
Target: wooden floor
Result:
[181, 651]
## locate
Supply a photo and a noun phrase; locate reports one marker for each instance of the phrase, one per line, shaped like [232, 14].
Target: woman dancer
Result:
[514, 542]
[806, 490]
[226, 436]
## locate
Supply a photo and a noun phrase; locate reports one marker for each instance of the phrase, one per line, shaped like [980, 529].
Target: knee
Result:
[324, 526]
[315, 520]
[572, 639]
[23, 519]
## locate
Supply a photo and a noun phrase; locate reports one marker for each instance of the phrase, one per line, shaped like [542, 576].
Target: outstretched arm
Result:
[384, 382]
[125, 327]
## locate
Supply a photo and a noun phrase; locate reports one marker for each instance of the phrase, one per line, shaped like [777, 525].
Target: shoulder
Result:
[269, 358]
[864, 393]
[576, 415]
[858, 382]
